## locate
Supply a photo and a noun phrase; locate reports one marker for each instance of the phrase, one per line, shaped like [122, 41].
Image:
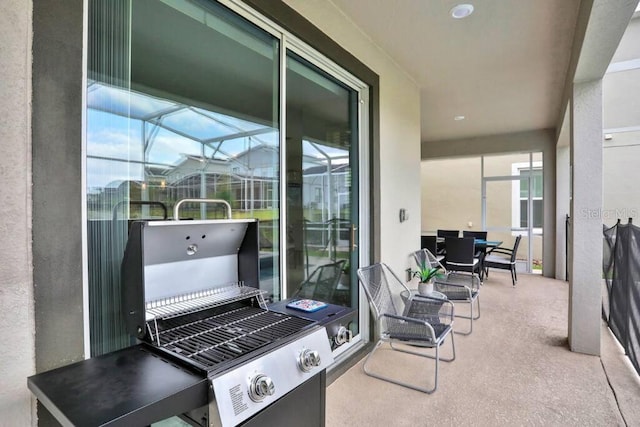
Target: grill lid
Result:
[172, 267]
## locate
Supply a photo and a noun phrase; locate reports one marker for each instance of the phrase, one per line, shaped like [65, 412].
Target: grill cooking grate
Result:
[193, 302]
[227, 335]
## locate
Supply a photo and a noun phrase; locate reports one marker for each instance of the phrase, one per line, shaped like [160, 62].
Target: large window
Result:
[184, 101]
[535, 180]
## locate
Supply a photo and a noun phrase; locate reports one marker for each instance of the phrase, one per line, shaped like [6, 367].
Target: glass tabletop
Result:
[488, 243]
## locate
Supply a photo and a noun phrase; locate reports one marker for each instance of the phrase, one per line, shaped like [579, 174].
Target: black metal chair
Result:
[448, 233]
[443, 234]
[480, 250]
[461, 255]
[457, 287]
[504, 259]
[406, 319]
[431, 244]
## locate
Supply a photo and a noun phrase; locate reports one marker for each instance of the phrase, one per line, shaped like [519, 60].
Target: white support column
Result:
[563, 181]
[585, 250]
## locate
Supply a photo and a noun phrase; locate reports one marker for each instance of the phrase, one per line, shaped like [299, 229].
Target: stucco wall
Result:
[16, 288]
[399, 132]
[620, 176]
[451, 194]
[629, 48]
[621, 112]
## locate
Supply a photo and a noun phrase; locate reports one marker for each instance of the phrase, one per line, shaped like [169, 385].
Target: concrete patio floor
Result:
[515, 369]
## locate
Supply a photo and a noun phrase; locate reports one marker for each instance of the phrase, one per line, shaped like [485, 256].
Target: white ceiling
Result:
[503, 67]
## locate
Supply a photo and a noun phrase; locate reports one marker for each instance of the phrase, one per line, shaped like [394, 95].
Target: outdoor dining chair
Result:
[443, 234]
[457, 286]
[461, 255]
[448, 233]
[480, 250]
[406, 321]
[431, 243]
[504, 259]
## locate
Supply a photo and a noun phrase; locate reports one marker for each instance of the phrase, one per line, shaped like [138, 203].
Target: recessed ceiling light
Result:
[458, 118]
[461, 11]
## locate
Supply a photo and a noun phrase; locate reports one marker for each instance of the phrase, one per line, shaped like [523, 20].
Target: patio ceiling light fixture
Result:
[458, 118]
[461, 11]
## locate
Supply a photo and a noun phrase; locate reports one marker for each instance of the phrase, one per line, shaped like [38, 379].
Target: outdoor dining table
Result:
[479, 243]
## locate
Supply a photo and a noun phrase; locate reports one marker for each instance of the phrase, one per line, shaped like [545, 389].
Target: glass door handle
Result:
[354, 245]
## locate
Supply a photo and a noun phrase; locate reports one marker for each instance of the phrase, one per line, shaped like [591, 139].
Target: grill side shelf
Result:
[181, 305]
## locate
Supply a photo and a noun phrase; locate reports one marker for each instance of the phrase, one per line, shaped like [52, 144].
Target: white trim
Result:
[282, 210]
[616, 67]
[364, 201]
[86, 322]
[242, 9]
[622, 129]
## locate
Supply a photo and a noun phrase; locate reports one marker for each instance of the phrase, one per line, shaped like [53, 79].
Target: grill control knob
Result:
[261, 386]
[344, 335]
[308, 360]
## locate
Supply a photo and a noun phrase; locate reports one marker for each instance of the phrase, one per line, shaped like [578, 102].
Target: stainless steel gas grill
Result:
[192, 298]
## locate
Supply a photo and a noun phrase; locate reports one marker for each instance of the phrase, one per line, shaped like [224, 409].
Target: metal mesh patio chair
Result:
[504, 259]
[406, 319]
[459, 287]
[322, 283]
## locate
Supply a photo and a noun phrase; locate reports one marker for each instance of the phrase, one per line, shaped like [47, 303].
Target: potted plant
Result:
[426, 275]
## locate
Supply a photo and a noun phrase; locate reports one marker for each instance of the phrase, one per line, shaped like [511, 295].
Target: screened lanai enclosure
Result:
[227, 111]
[174, 151]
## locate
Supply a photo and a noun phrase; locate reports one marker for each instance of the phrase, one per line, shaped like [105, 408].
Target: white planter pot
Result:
[425, 288]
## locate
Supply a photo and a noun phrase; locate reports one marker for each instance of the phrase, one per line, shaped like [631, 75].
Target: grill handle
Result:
[139, 203]
[176, 208]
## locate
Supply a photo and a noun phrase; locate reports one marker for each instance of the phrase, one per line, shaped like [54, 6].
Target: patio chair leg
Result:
[514, 277]
[471, 317]
[417, 353]
[411, 386]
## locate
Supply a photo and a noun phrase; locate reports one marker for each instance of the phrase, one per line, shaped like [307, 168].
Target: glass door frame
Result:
[289, 42]
[360, 249]
[529, 229]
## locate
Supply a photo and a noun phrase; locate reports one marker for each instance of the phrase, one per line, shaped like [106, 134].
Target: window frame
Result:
[516, 198]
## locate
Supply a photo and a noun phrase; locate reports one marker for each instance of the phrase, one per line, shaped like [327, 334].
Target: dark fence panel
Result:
[621, 269]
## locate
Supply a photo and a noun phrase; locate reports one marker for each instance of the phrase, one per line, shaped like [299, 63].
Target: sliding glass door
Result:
[200, 116]
[322, 207]
[512, 205]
